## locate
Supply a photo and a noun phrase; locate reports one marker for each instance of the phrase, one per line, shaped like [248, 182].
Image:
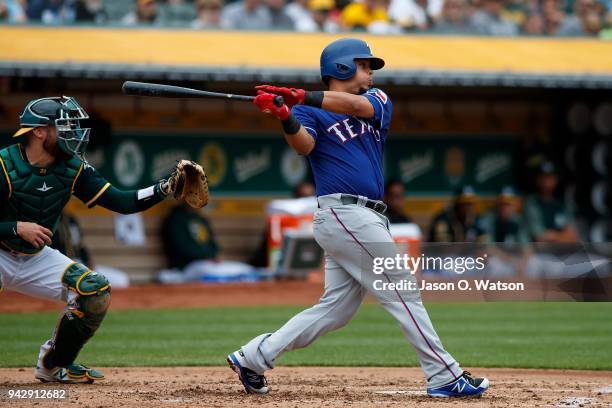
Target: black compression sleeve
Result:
[291, 125]
[314, 98]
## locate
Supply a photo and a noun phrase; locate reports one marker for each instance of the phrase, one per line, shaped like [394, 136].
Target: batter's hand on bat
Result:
[292, 96]
[35, 234]
[265, 103]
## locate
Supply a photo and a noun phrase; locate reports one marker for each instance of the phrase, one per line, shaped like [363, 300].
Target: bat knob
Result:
[279, 101]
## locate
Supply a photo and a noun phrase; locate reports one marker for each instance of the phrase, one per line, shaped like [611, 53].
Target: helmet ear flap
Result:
[343, 68]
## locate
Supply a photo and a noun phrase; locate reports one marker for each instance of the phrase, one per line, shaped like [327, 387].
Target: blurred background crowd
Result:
[470, 17]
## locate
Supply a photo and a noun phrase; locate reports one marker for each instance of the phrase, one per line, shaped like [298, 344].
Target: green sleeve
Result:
[522, 231]
[569, 214]
[129, 201]
[8, 229]
[2, 189]
[533, 218]
[486, 224]
[214, 246]
[93, 189]
[89, 185]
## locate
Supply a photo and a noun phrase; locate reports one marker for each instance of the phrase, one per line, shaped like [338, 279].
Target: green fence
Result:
[259, 165]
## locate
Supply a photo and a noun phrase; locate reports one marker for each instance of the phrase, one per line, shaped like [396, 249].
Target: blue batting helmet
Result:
[338, 58]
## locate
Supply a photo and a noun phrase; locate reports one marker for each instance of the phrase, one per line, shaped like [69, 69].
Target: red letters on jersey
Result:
[381, 95]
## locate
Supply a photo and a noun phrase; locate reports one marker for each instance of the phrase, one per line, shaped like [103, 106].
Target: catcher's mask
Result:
[65, 114]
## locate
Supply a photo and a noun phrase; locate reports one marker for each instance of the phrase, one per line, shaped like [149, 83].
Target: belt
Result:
[5, 248]
[377, 206]
[11, 251]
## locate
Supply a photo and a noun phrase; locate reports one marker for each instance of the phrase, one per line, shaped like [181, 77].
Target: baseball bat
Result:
[172, 91]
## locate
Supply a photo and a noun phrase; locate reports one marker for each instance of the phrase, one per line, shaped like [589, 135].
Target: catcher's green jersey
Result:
[39, 194]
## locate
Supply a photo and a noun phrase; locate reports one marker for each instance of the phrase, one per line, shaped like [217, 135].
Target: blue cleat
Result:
[253, 383]
[464, 386]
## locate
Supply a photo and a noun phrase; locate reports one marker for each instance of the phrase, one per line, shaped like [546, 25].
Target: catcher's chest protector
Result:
[36, 194]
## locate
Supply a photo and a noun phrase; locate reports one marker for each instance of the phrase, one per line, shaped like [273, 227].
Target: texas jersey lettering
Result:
[347, 157]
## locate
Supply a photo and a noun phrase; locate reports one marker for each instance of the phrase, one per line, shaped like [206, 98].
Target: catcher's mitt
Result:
[188, 182]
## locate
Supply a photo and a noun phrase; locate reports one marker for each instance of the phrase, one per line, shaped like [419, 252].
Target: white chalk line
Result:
[400, 392]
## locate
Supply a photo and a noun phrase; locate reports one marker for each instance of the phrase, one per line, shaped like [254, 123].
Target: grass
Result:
[536, 335]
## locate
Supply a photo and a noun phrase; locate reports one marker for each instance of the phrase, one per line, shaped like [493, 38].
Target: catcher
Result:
[37, 178]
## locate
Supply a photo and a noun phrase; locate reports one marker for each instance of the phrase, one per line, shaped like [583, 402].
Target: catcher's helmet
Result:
[62, 112]
[338, 58]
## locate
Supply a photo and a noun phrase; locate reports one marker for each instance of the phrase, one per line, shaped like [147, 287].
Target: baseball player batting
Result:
[37, 178]
[342, 131]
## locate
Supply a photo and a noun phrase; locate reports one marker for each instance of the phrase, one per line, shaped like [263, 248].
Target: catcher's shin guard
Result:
[81, 318]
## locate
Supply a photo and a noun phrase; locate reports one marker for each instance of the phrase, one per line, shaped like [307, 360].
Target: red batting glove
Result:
[292, 96]
[265, 103]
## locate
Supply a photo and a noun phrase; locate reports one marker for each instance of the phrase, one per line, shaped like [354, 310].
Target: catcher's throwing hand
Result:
[292, 96]
[35, 234]
[188, 182]
[265, 103]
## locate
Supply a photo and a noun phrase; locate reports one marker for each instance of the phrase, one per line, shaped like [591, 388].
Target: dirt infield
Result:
[291, 387]
[187, 295]
[316, 387]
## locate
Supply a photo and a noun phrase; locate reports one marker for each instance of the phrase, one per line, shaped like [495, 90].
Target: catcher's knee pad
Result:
[82, 317]
[94, 294]
[84, 281]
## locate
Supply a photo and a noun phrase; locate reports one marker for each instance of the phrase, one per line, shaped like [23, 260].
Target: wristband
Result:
[314, 98]
[291, 125]
[162, 188]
